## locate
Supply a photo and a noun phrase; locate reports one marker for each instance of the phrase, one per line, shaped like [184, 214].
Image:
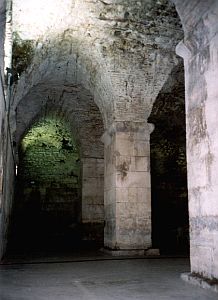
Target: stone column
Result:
[201, 72]
[127, 188]
[93, 198]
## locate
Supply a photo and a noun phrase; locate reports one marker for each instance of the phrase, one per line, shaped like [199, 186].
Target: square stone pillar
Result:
[127, 188]
[201, 73]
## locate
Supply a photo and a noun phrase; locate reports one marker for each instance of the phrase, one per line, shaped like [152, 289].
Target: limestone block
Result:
[198, 171]
[122, 195]
[127, 136]
[124, 147]
[213, 166]
[141, 148]
[140, 136]
[140, 164]
[133, 194]
[210, 112]
[137, 225]
[131, 210]
[133, 233]
[144, 195]
[203, 201]
[201, 260]
[194, 202]
[133, 179]
[209, 203]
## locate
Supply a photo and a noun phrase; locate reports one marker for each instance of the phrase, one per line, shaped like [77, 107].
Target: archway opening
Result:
[170, 225]
[47, 204]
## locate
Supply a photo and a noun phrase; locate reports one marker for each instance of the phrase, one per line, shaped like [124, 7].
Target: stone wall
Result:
[2, 32]
[6, 149]
[77, 107]
[119, 55]
[199, 51]
[2, 109]
[48, 193]
[2, 29]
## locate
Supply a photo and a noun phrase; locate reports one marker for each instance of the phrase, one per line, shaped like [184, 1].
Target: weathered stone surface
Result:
[107, 54]
[93, 190]
[101, 42]
[48, 181]
[6, 155]
[200, 57]
[127, 190]
[100, 65]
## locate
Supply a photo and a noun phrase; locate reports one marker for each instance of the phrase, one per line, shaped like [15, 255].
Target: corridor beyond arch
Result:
[47, 205]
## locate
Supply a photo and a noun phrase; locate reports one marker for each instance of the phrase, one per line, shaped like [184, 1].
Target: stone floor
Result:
[101, 279]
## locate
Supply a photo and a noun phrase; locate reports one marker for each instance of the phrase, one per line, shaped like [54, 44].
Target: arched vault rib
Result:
[119, 52]
[75, 106]
[71, 70]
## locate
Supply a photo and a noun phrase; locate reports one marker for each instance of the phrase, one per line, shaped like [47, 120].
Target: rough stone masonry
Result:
[115, 57]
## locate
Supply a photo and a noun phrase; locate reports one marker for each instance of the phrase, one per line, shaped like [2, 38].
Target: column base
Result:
[205, 283]
[132, 252]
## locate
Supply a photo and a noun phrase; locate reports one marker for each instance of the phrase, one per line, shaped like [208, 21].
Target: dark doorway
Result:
[170, 224]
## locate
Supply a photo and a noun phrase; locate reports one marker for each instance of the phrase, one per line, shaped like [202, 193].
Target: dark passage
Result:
[170, 227]
[47, 207]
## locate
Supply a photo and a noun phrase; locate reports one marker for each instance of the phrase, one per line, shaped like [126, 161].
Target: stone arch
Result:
[76, 106]
[57, 64]
[102, 60]
[124, 71]
[73, 104]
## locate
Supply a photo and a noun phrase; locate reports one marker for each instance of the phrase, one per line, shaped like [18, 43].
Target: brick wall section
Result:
[49, 174]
